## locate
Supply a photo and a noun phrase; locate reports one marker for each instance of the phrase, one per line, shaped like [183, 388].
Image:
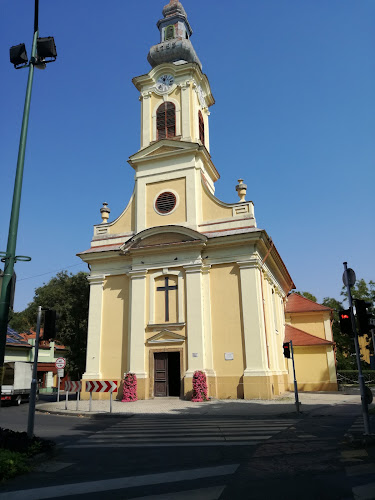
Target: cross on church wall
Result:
[166, 290]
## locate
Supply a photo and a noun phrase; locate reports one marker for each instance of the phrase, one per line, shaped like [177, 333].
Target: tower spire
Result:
[175, 32]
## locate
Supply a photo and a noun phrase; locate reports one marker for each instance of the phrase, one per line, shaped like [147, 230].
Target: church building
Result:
[181, 281]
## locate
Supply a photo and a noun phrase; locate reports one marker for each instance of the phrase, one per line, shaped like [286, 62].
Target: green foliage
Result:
[68, 294]
[21, 443]
[15, 450]
[361, 290]
[308, 295]
[12, 464]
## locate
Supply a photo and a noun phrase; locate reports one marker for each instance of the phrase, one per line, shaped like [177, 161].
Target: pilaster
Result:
[254, 332]
[185, 111]
[146, 119]
[94, 328]
[137, 315]
[195, 319]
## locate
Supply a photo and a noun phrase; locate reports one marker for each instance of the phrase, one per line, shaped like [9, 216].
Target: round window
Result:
[165, 202]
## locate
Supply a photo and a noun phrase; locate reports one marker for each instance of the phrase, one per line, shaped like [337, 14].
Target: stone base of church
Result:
[258, 387]
[315, 386]
[244, 387]
[281, 384]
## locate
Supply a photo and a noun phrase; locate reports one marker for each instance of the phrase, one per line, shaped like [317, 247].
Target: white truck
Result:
[16, 385]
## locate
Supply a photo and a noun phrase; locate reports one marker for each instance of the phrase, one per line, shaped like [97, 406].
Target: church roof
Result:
[301, 338]
[296, 303]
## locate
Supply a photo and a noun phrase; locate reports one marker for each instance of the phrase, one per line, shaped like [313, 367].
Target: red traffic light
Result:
[286, 347]
[346, 322]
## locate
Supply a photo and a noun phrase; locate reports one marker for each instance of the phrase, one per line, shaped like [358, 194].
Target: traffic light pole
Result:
[34, 380]
[297, 403]
[361, 381]
[10, 256]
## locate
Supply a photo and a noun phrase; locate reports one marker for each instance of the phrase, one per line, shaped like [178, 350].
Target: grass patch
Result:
[12, 464]
[16, 448]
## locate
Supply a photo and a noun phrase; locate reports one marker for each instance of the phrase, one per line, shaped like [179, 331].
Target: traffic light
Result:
[50, 317]
[346, 322]
[286, 347]
[363, 316]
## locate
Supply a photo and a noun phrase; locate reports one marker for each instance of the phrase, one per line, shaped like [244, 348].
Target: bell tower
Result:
[175, 95]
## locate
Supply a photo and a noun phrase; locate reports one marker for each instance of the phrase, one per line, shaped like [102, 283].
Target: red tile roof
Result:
[297, 303]
[301, 338]
[42, 343]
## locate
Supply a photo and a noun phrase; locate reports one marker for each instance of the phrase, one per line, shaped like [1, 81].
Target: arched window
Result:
[166, 120]
[201, 127]
[169, 32]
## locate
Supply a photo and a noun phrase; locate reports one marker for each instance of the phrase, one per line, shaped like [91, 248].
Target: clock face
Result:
[201, 97]
[164, 83]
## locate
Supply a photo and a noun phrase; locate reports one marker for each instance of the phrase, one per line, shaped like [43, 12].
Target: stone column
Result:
[185, 111]
[195, 319]
[136, 336]
[257, 381]
[94, 328]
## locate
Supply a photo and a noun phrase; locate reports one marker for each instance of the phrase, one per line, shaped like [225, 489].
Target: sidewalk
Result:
[174, 406]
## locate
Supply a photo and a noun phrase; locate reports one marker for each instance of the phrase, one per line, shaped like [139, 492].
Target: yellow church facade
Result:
[181, 281]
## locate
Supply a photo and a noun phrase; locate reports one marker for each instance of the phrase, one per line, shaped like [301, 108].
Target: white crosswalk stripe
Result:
[122, 483]
[184, 432]
[358, 425]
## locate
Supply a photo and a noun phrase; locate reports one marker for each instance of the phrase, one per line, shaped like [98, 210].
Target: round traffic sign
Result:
[349, 277]
[60, 363]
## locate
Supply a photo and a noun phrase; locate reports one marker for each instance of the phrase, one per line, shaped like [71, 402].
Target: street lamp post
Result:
[9, 257]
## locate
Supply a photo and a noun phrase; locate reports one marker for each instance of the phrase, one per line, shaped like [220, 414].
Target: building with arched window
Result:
[180, 280]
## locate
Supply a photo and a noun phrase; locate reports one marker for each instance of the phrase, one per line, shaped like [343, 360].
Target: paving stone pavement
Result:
[175, 406]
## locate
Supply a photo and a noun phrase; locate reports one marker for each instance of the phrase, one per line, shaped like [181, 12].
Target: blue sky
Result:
[294, 116]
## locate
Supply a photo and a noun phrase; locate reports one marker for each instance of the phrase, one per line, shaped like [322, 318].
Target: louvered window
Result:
[201, 127]
[169, 32]
[166, 120]
[165, 202]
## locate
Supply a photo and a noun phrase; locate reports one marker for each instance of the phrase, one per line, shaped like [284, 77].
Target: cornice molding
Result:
[250, 264]
[96, 280]
[137, 274]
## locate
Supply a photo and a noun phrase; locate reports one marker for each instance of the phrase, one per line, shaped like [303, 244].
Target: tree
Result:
[68, 294]
[308, 295]
[361, 290]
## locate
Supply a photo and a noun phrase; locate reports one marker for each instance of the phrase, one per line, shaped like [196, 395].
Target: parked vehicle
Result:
[17, 382]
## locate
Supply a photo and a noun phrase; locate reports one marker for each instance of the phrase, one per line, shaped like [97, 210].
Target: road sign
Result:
[60, 363]
[60, 372]
[73, 386]
[101, 386]
[349, 277]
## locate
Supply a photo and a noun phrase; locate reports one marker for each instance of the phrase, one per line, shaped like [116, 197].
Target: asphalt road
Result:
[161, 458]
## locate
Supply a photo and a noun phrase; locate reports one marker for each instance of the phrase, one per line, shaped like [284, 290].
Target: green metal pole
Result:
[10, 256]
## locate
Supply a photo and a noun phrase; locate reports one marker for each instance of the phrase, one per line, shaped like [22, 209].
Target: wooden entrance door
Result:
[161, 374]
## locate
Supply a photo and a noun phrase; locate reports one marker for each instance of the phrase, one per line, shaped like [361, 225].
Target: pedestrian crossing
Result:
[168, 432]
[104, 486]
[358, 426]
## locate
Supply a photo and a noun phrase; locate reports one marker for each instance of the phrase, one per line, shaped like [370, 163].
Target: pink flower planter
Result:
[130, 388]
[200, 392]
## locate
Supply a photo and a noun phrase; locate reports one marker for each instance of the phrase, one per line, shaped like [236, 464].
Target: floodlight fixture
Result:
[18, 56]
[46, 50]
